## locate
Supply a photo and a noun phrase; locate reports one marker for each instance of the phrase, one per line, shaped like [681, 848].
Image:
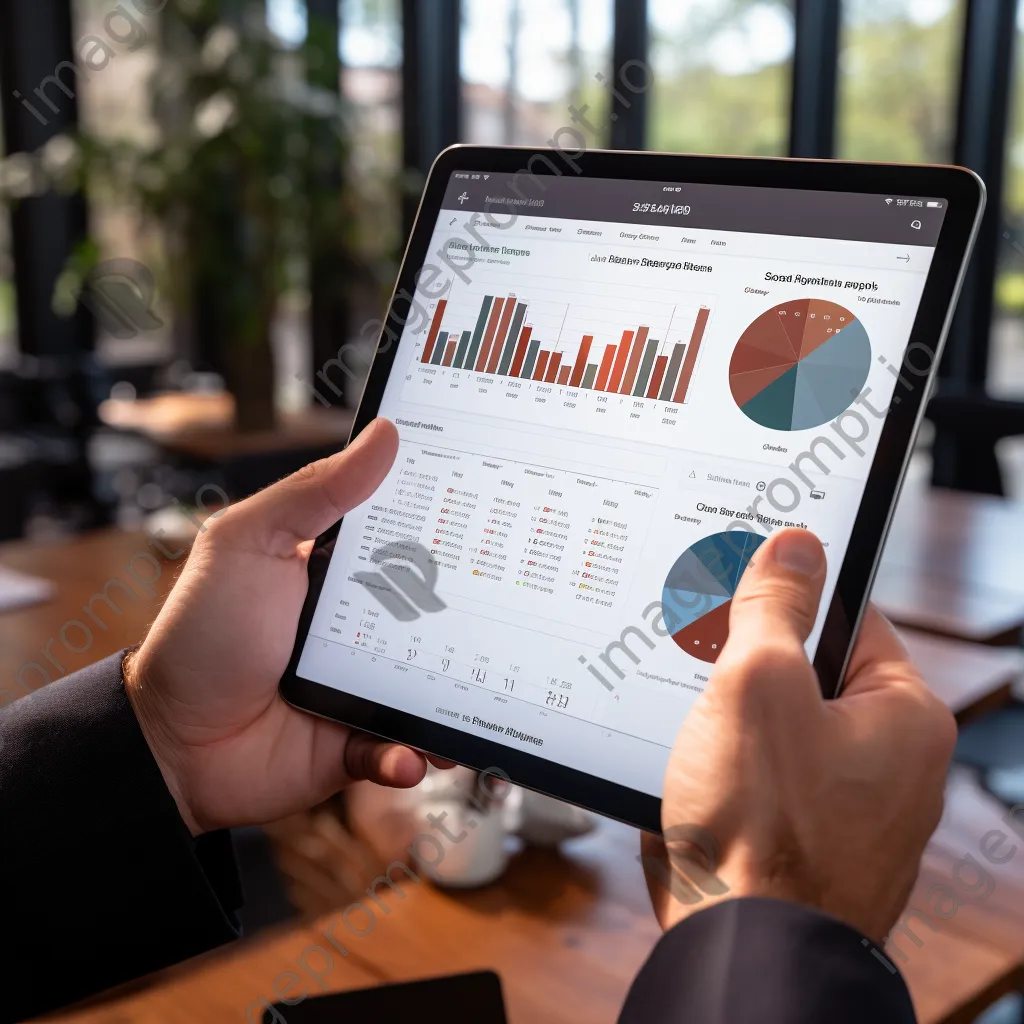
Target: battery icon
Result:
[933, 204]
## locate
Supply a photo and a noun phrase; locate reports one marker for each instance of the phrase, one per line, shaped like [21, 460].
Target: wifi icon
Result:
[888, 202]
[486, 176]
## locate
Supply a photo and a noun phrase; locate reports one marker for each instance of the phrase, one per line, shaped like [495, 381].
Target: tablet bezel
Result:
[964, 193]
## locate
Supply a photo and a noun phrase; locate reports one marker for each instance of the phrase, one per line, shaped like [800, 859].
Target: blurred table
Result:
[196, 431]
[954, 565]
[972, 679]
[89, 569]
[567, 931]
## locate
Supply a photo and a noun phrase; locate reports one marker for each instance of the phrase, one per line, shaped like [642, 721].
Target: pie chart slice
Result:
[698, 591]
[799, 364]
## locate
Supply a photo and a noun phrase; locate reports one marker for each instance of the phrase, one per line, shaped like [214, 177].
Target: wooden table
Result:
[202, 424]
[567, 931]
[972, 679]
[197, 432]
[136, 576]
[954, 565]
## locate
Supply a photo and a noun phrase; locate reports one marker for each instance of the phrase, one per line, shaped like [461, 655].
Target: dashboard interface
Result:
[608, 394]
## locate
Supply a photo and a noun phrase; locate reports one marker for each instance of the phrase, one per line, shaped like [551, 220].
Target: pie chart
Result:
[698, 591]
[799, 364]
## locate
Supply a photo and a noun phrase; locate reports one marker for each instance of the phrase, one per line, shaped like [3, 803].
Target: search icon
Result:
[916, 225]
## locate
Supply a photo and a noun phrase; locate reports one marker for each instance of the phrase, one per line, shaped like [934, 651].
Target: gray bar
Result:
[531, 358]
[646, 365]
[588, 377]
[669, 383]
[460, 352]
[857, 216]
[481, 322]
[513, 339]
[439, 347]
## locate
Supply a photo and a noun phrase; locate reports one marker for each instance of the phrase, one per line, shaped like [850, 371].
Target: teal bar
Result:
[531, 358]
[478, 332]
[646, 365]
[461, 350]
[669, 383]
[439, 346]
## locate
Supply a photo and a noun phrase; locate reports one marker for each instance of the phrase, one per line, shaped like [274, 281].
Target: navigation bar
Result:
[854, 216]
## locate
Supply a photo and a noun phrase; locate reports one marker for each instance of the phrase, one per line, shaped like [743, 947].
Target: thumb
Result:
[778, 593]
[303, 505]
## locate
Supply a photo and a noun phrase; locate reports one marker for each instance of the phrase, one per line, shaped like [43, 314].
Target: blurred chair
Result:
[994, 746]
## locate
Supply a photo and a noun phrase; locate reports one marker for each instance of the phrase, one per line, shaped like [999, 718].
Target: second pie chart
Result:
[697, 595]
[799, 364]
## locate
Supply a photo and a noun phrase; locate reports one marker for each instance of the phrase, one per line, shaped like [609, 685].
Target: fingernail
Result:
[800, 552]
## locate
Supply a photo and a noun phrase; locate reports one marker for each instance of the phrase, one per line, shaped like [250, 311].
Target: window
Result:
[370, 48]
[722, 74]
[1006, 355]
[114, 105]
[8, 313]
[371, 55]
[524, 63]
[898, 78]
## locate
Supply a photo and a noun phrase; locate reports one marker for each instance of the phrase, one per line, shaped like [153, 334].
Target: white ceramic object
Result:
[545, 821]
[475, 855]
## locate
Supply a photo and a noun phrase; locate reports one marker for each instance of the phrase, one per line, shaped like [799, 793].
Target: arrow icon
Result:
[904, 258]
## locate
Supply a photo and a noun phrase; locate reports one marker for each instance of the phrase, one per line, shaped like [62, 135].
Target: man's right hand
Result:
[826, 803]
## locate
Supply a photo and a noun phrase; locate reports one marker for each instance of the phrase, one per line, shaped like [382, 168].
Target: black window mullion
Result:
[37, 62]
[815, 62]
[986, 77]
[431, 90]
[630, 75]
[39, 85]
[961, 459]
[330, 263]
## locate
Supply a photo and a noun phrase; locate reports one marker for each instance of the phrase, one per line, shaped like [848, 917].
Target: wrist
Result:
[159, 738]
[697, 883]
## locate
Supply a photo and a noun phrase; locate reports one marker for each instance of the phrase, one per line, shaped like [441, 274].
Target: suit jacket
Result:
[105, 883]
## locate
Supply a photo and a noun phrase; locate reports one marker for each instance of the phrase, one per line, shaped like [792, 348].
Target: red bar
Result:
[581, 361]
[499, 338]
[606, 368]
[435, 326]
[660, 366]
[549, 377]
[634, 362]
[563, 374]
[449, 353]
[620, 361]
[485, 348]
[690, 359]
[524, 344]
[542, 362]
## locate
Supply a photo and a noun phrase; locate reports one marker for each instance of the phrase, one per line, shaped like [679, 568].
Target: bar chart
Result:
[502, 342]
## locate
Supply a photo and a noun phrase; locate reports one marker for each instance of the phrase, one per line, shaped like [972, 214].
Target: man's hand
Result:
[204, 682]
[827, 803]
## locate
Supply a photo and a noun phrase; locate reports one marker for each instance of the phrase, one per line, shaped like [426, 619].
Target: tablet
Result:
[613, 375]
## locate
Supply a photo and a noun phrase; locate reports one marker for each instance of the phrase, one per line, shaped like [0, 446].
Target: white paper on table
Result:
[19, 590]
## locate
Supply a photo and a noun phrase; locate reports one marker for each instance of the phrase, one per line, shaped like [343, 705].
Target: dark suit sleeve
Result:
[103, 881]
[748, 961]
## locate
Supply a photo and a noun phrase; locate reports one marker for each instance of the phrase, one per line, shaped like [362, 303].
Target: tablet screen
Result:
[608, 393]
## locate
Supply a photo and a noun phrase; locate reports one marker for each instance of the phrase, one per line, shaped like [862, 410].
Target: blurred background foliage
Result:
[200, 136]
